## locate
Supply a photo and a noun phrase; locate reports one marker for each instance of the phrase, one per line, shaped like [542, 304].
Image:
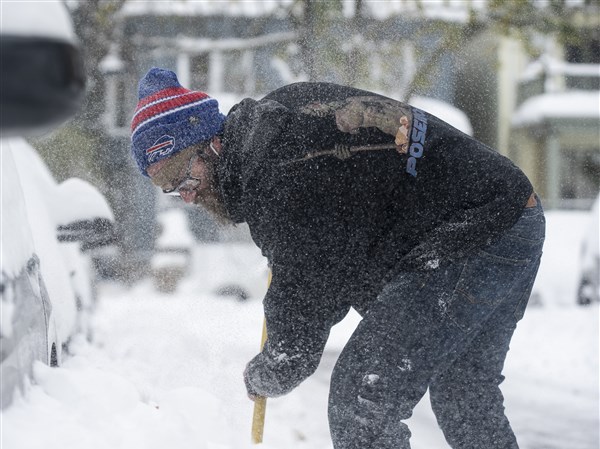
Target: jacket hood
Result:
[249, 142]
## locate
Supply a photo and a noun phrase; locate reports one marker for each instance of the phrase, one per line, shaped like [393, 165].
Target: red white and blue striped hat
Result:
[170, 118]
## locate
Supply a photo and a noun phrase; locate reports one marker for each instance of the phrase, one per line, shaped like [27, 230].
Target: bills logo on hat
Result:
[162, 147]
[166, 109]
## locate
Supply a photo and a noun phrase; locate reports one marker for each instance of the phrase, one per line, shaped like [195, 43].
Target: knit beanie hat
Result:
[170, 118]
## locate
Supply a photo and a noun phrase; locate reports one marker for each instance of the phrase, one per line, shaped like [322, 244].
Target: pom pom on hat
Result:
[170, 118]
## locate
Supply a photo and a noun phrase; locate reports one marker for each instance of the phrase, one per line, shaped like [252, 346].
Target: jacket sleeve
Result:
[288, 223]
[298, 325]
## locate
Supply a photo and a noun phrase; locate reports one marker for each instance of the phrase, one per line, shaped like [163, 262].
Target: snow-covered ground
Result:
[165, 371]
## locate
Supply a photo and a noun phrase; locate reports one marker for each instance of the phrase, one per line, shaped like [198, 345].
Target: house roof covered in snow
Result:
[449, 10]
[555, 106]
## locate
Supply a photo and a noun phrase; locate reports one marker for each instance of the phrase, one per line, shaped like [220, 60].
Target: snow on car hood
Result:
[72, 200]
[79, 200]
[16, 241]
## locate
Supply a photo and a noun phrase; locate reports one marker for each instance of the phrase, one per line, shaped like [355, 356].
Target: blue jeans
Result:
[448, 330]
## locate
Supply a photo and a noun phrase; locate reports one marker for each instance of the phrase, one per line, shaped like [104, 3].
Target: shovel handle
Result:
[260, 404]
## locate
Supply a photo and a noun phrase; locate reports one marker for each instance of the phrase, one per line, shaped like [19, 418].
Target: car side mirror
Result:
[43, 79]
[83, 215]
[91, 233]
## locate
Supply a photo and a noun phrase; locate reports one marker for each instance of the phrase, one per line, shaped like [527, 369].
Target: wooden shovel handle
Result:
[260, 404]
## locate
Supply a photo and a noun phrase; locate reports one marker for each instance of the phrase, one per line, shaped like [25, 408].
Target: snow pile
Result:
[166, 371]
[85, 405]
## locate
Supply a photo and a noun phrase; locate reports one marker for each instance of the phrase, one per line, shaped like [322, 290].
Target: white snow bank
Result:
[166, 371]
[88, 404]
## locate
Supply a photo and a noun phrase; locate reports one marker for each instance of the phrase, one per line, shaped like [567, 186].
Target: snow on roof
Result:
[449, 10]
[250, 8]
[48, 19]
[444, 111]
[446, 10]
[553, 66]
[573, 104]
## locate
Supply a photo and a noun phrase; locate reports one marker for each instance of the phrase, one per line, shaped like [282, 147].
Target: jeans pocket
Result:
[530, 227]
[525, 293]
[486, 280]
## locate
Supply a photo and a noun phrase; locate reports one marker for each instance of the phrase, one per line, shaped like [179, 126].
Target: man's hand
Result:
[252, 395]
[254, 398]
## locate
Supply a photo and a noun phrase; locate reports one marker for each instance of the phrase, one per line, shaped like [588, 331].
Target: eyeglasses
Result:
[188, 182]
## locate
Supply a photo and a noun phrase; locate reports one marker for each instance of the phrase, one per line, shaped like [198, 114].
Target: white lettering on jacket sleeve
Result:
[419, 130]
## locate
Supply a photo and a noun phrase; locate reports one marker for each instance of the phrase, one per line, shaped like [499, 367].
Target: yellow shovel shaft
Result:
[258, 420]
[260, 405]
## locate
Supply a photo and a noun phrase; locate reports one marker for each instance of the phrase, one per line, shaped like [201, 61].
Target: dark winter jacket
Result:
[337, 216]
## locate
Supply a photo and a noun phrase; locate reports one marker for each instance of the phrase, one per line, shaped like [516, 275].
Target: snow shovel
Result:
[260, 405]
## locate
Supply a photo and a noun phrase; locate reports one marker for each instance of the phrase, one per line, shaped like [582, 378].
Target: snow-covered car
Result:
[588, 291]
[46, 284]
[43, 84]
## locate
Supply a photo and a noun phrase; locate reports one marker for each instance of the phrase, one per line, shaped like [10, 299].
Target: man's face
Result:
[191, 173]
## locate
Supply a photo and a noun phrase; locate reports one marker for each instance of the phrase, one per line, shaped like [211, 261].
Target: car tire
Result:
[53, 356]
[584, 294]
[236, 291]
